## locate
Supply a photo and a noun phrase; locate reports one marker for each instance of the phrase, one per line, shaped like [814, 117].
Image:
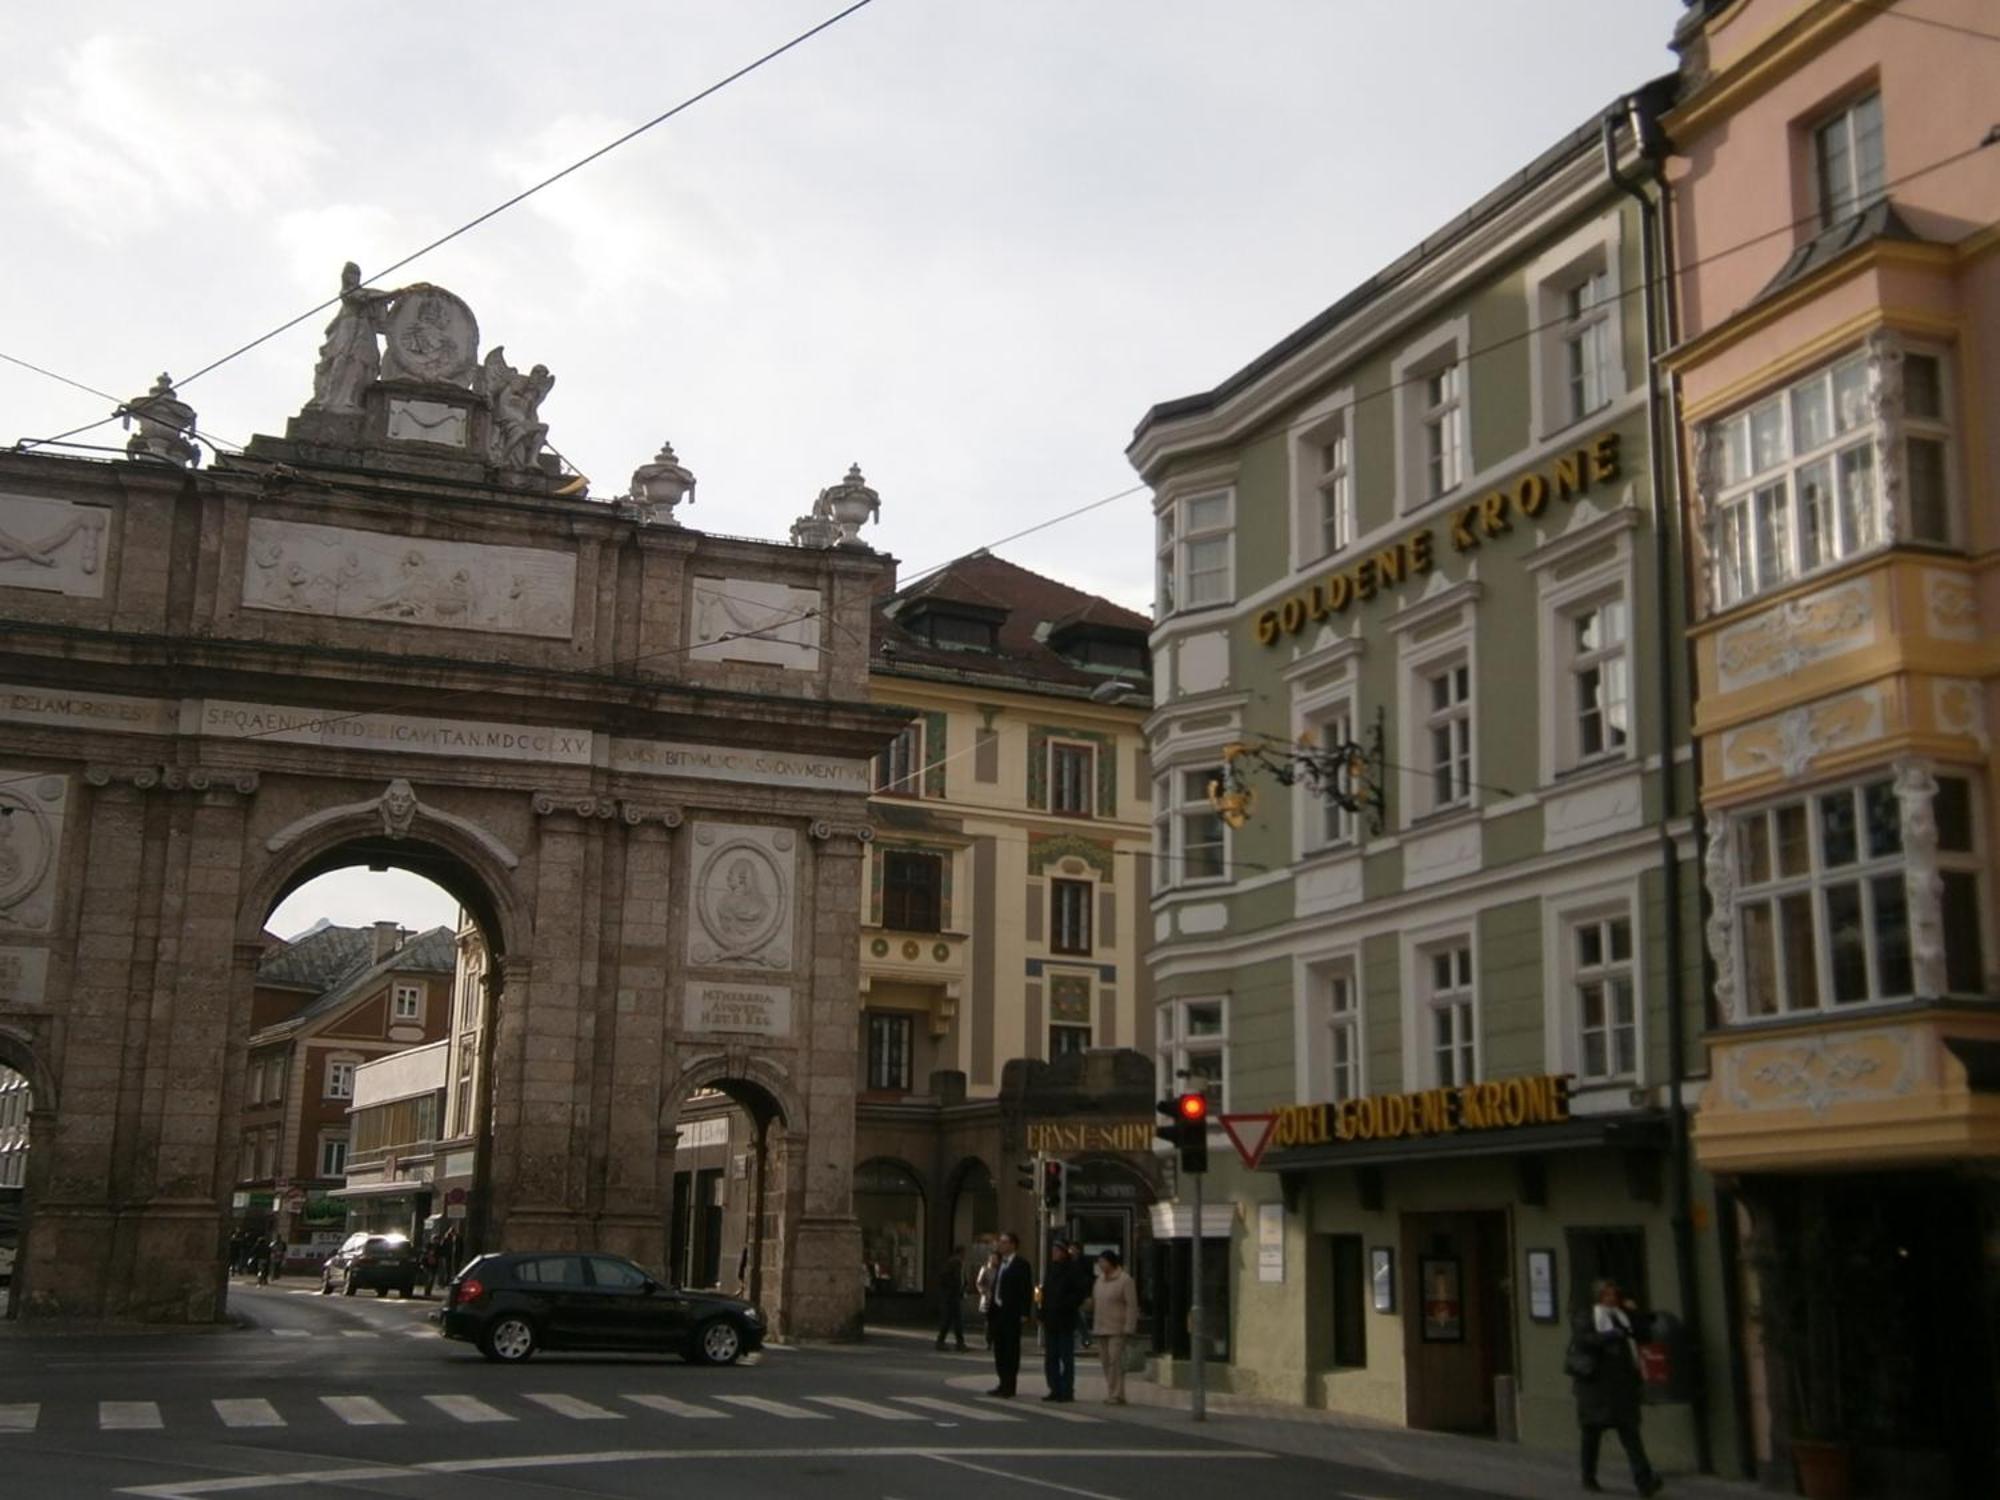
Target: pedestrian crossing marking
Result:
[361, 1411]
[957, 1409]
[291, 1333]
[20, 1417]
[674, 1408]
[247, 1412]
[468, 1409]
[866, 1408]
[359, 1333]
[775, 1408]
[574, 1406]
[126, 1416]
[1059, 1411]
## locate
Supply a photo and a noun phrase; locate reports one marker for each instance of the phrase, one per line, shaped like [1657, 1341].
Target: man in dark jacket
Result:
[1065, 1288]
[1013, 1293]
[1603, 1341]
[951, 1298]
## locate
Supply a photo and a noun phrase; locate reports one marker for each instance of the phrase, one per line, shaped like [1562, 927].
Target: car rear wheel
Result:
[348, 1285]
[509, 1340]
[325, 1287]
[718, 1342]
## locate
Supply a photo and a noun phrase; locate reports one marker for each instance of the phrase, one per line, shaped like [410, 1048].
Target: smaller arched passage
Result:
[972, 1208]
[27, 1113]
[889, 1203]
[734, 1153]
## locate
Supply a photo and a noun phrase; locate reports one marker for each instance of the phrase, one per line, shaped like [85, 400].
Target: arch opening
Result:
[26, 1101]
[736, 1164]
[890, 1205]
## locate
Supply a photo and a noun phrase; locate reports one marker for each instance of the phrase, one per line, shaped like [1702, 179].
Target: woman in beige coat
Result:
[1114, 1317]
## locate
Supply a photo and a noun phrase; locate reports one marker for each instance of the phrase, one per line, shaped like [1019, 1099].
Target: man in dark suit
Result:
[1013, 1298]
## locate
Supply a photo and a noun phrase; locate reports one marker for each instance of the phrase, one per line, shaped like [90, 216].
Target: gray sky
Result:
[966, 244]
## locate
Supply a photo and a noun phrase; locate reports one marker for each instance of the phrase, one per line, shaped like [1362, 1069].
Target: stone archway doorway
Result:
[27, 1107]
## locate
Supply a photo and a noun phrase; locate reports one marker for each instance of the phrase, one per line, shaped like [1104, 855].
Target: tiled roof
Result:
[319, 959]
[433, 952]
[1878, 221]
[1036, 609]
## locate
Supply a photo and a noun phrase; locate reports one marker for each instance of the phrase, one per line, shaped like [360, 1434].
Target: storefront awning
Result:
[1623, 1132]
[400, 1189]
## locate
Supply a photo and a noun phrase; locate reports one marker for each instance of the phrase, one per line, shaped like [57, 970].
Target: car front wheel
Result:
[509, 1340]
[348, 1285]
[718, 1342]
[325, 1287]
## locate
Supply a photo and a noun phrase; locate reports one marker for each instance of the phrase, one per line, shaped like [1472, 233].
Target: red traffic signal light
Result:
[1192, 1108]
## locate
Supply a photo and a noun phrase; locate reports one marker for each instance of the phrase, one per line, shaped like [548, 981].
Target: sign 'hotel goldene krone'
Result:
[1502, 1104]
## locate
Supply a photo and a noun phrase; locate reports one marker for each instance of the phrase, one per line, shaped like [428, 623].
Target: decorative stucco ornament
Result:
[165, 425]
[1719, 868]
[1923, 886]
[659, 486]
[431, 337]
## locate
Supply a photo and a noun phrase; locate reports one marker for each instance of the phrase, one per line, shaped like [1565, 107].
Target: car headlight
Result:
[753, 1314]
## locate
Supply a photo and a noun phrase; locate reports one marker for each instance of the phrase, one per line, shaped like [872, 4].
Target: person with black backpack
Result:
[1603, 1365]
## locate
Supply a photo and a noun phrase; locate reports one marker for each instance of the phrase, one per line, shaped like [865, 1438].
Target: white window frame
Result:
[908, 743]
[1318, 980]
[253, 1091]
[1591, 561]
[335, 1078]
[1177, 803]
[1573, 976]
[1323, 826]
[1178, 1043]
[1862, 183]
[1594, 250]
[1183, 522]
[1451, 640]
[1089, 788]
[1612, 663]
[1447, 776]
[1057, 925]
[906, 1022]
[1812, 884]
[1324, 521]
[401, 991]
[1417, 416]
[1457, 997]
[328, 1143]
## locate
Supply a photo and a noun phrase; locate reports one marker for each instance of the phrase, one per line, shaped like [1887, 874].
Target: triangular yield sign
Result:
[1250, 1148]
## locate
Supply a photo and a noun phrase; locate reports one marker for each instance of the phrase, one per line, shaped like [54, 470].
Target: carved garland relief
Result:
[52, 546]
[1796, 633]
[1789, 743]
[741, 914]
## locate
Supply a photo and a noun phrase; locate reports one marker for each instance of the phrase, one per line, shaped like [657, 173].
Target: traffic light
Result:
[1026, 1173]
[1188, 1132]
[1055, 1187]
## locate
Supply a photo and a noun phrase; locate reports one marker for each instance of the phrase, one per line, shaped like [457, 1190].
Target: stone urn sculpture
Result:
[165, 424]
[659, 486]
[850, 505]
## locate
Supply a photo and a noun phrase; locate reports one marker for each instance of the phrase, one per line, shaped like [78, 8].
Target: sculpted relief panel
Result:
[1792, 741]
[31, 820]
[370, 575]
[743, 619]
[52, 546]
[741, 914]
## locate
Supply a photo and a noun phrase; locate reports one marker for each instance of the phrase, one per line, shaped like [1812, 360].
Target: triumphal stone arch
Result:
[403, 635]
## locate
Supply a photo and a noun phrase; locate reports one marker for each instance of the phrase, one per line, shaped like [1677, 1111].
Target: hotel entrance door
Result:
[1458, 1321]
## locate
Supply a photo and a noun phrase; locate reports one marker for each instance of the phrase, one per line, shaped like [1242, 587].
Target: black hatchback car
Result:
[514, 1302]
[371, 1262]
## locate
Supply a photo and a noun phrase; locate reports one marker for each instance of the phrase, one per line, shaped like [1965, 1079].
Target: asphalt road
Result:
[353, 1396]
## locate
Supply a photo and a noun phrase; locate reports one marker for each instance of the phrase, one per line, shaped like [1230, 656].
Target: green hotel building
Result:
[1425, 551]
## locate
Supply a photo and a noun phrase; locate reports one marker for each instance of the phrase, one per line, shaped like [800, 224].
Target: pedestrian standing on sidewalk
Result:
[1013, 1294]
[1065, 1288]
[1114, 1316]
[951, 1298]
[986, 1274]
[1603, 1364]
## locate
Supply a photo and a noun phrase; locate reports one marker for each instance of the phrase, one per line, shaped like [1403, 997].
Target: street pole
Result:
[1197, 1326]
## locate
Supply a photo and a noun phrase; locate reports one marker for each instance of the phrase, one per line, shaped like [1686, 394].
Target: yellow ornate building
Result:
[1836, 188]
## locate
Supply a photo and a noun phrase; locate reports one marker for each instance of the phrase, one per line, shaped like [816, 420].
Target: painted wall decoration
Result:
[1045, 849]
[53, 546]
[1039, 736]
[747, 619]
[31, 822]
[299, 568]
[742, 911]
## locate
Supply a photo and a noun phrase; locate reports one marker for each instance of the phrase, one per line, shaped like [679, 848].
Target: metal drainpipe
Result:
[1665, 524]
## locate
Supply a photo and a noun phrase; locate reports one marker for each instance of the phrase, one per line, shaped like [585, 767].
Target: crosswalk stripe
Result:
[1057, 1411]
[128, 1415]
[359, 1333]
[866, 1408]
[574, 1406]
[674, 1408]
[291, 1333]
[956, 1409]
[468, 1409]
[20, 1417]
[424, 1331]
[248, 1411]
[361, 1411]
[775, 1408]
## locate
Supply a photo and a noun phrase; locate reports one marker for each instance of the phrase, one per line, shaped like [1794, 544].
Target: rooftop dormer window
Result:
[960, 628]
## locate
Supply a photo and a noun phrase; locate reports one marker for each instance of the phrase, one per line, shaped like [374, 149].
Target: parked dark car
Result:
[512, 1303]
[375, 1262]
